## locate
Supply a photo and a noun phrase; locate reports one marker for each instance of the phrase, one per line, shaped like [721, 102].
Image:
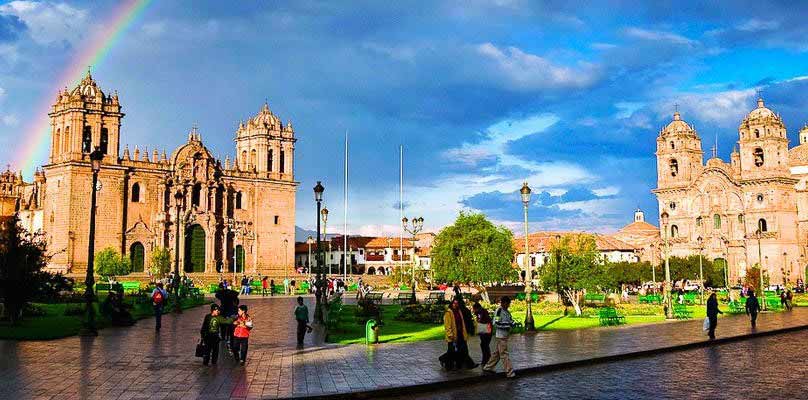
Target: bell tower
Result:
[82, 119]
[763, 144]
[679, 154]
[265, 146]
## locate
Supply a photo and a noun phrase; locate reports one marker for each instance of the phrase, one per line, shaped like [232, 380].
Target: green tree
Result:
[160, 261]
[688, 268]
[576, 265]
[22, 257]
[109, 263]
[473, 250]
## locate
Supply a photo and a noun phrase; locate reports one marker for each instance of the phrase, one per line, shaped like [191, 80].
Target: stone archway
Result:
[195, 249]
[137, 255]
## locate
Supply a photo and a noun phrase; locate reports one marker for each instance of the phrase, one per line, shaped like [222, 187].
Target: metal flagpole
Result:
[401, 203]
[345, 217]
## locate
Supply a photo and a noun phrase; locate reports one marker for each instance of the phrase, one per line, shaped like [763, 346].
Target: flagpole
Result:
[345, 259]
[400, 205]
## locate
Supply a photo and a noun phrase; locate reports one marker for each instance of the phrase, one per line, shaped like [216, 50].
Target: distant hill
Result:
[302, 234]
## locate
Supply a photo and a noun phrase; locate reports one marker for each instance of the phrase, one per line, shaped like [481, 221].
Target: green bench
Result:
[374, 297]
[522, 296]
[213, 288]
[608, 316]
[651, 299]
[435, 298]
[594, 297]
[680, 311]
[736, 307]
[690, 298]
[353, 287]
[773, 304]
[404, 298]
[131, 286]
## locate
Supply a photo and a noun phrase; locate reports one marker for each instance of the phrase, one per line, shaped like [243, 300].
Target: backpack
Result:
[157, 297]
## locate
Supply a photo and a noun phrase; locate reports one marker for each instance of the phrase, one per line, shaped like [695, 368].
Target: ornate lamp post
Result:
[178, 197]
[761, 294]
[324, 214]
[89, 295]
[666, 289]
[416, 227]
[529, 324]
[558, 267]
[318, 311]
[309, 241]
[701, 270]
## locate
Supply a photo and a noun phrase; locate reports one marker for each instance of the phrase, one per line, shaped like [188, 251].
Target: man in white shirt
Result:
[503, 322]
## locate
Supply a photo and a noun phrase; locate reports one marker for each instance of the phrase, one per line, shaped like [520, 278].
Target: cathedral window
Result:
[674, 231]
[283, 162]
[672, 205]
[104, 140]
[740, 218]
[57, 141]
[252, 159]
[674, 165]
[196, 195]
[136, 193]
[698, 221]
[716, 221]
[758, 155]
[760, 198]
[238, 201]
[762, 226]
[277, 220]
[87, 140]
[757, 134]
[270, 160]
[673, 146]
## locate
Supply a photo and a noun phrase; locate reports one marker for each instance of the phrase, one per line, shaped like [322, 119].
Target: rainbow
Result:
[34, 149]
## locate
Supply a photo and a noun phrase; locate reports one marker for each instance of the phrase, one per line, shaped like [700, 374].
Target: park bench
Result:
[594, 297]
[690, 298]
[680, 311]
[404, 298]
[736, 307]
[131, 286]
[651, 299]
[374, 297]
[773, 304]
[435, 298]
[608, 316]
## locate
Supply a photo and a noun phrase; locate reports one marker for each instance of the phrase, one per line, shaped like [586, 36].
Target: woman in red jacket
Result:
[241, 334]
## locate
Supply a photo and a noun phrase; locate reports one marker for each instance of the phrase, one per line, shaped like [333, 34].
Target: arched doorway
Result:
[195, 249]
[239, 259]
[136, 256]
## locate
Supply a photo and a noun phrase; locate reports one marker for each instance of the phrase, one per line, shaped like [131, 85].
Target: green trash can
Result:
[371, 332]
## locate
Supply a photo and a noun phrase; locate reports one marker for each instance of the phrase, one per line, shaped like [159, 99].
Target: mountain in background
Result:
[302, 234]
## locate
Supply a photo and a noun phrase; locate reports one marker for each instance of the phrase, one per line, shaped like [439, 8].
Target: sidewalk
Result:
[135, 364]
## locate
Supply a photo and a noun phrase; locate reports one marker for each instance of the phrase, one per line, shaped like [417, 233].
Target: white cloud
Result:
[757, 25]
[521, 71]
[10, 120]
[645, 34]
[724, 108]
[49, 23]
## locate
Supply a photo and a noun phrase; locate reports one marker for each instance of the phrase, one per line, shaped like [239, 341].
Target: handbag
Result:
[201, 348]
[706, 326]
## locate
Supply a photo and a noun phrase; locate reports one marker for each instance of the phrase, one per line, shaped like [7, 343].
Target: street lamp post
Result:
[318, 310]
[666, 289]
[417, 226]
[529, 324]
[324, 214]
[761, 295]
[89, 295]
[178, 197]
[701, 269]
[309, 241]
[558, 267]
[285, 260]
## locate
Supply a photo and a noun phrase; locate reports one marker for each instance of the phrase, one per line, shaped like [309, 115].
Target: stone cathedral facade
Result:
[238, 216]
[752, 210]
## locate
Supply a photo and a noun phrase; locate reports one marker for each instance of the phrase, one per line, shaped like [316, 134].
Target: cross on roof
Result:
[676, 107]
[759, 93]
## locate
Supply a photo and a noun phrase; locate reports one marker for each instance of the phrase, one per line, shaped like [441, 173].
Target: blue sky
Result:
[483, 95]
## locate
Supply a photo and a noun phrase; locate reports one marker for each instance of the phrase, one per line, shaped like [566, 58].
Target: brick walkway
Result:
[134, 363]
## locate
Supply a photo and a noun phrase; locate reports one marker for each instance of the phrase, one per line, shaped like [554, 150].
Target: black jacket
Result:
[712, 308]
[752, 305]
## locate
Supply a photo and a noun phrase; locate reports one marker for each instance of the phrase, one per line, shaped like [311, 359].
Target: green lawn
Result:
[54, 324]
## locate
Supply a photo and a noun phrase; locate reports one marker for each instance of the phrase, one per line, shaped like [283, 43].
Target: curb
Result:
[538, 369]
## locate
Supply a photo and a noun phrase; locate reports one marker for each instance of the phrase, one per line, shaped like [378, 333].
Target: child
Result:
[241, 334]
[302, 318]
[210, 334]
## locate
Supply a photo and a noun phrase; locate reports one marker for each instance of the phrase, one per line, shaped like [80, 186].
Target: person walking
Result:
[245, 285]
[456, 336]
[264, 284]
[503, 323]
[712, 314]
[272, 287]
[302, 318]
[484, 330]
[789, 300]
[210, 334]
[241, 334]
[286, 286]
[159, 296]
[752, 306]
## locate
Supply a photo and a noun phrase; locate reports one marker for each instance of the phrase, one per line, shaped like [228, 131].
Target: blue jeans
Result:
[158, 316]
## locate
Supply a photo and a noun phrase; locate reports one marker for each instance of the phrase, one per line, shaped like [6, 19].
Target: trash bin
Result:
[371, 331]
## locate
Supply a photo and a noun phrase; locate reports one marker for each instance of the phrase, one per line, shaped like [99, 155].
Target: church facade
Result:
[212, 216]
[750, 211]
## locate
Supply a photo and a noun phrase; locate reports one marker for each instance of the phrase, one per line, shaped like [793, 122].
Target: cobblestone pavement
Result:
[134, 363]
[771, 367]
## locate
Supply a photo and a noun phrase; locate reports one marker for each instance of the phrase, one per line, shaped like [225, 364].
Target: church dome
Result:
[265, 118]
[677, 125]
[761, 111]
[88, 89]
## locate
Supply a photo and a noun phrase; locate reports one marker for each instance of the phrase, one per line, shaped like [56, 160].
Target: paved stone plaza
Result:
[134, 363]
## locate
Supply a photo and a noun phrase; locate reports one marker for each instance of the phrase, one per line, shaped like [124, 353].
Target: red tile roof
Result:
[542, 241]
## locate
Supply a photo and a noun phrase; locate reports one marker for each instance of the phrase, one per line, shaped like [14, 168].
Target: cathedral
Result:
[750, 211]
[212, 216]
